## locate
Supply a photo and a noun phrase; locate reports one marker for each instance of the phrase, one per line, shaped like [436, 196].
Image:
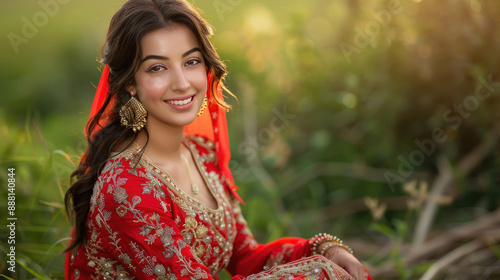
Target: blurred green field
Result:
[360, 91]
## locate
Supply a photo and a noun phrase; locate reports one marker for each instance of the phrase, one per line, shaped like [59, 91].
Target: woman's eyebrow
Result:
[195, 49]
[152, 56]
[159, 57]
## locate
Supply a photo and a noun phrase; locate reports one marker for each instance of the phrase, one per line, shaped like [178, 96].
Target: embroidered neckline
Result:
[171, 184]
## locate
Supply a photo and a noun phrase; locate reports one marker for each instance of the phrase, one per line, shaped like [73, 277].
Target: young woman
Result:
[154, 198]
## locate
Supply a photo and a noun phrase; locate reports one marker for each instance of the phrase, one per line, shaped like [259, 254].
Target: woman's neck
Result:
[164, 144]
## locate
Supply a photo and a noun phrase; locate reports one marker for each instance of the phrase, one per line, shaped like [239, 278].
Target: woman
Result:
[154, 198]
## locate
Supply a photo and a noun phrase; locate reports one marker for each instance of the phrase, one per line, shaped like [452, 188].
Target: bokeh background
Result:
[376, 121]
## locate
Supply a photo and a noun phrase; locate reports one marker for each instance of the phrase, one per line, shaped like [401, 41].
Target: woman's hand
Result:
[347, 261]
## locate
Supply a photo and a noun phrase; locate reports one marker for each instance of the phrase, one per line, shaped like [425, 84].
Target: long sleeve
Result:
[249, 257]
[289, 256]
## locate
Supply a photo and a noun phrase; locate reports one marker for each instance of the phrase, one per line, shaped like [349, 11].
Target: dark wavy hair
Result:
[122, 53]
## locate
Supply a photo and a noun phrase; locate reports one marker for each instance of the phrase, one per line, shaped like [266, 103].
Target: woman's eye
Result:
[193, 62]
[156, 69]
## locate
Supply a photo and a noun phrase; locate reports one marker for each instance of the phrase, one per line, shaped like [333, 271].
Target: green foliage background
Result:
[359, 90]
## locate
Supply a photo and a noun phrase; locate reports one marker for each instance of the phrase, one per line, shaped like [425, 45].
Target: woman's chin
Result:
[184, 120]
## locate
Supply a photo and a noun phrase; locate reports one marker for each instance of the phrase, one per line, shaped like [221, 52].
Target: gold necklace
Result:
[194, 186]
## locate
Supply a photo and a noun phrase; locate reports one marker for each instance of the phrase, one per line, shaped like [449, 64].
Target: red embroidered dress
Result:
[142, 226]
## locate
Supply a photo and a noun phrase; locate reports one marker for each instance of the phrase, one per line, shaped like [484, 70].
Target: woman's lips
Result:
[181, 103]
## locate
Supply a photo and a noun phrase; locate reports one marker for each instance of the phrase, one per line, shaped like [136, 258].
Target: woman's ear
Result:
[131, 88]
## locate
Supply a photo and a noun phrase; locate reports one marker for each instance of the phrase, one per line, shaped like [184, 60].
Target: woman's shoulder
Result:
[124, 166]
[124, 175]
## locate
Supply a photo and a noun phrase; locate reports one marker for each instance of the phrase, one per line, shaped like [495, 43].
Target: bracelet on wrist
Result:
[322, 238]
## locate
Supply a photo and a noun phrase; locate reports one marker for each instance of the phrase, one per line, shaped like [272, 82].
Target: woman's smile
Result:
[181, 103]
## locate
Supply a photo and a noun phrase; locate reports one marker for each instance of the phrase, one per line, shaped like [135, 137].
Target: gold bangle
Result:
[321, 238]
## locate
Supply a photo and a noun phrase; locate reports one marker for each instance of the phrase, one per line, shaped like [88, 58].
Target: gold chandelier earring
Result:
[204, 106]
[133, 114]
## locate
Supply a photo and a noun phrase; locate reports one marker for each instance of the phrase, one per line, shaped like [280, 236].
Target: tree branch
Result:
[451, 258]
[444, 180]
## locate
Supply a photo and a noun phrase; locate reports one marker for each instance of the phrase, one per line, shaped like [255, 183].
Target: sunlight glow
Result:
[259, 20]
[349, 100]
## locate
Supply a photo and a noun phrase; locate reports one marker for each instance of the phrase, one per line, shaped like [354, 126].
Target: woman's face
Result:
[172, 78]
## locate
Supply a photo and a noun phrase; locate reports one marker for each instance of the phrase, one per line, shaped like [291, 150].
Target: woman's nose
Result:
[180, 81]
